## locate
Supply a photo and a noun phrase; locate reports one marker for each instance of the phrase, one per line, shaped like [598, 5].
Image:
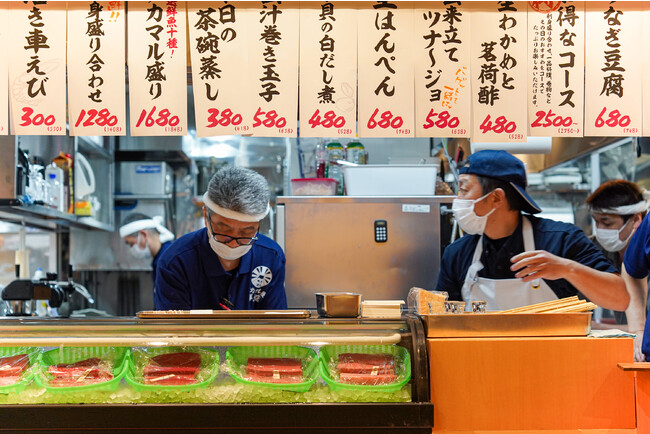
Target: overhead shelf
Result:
[43, 217]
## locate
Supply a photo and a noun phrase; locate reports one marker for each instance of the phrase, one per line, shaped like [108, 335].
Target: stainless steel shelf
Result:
[142, 196]
[47, 218]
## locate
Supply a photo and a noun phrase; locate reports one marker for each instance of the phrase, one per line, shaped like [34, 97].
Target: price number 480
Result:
[500, 125]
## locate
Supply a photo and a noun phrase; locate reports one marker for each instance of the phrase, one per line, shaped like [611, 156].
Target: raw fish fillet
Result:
[367, 379]
[358, 363]
[13, 365]
[170, 379]
[274, 367]
[183, 363]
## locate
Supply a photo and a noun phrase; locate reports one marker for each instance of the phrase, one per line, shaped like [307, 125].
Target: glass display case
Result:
[283, 370]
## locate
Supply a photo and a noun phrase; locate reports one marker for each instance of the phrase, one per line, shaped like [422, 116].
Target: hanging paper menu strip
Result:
[498, 71]
[219, 54]
[96, 59]
[613, 69]
[37, 68]
[328, 69]
[4, 73]
[442, 91]
[556, 68]
[646, 67]
[386, 69]
[273, 65]
[157, 68]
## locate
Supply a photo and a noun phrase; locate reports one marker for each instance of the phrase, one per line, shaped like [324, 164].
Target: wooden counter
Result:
[530, 384]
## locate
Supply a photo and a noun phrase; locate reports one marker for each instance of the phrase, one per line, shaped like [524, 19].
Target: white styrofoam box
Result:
[390, 179]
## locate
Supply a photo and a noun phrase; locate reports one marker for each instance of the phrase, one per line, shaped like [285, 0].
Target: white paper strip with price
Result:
[157, 68]
[498, 71]
[273, 60]
[219, 53]
[442, 90]
[328, 69]
[556, 62]
[37, 68]
[386, 69]
[4, 72]
[96, 59]
[613, 105]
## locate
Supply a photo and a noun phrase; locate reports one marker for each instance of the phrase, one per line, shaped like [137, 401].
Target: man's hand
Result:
[539, 264]
[638, 354]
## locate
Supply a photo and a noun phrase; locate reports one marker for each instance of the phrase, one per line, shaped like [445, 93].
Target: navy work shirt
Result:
[154, 263]
[637, 265]
[190, 276]
[560, 239]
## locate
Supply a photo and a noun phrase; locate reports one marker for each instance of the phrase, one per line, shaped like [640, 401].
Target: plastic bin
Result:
[390, 179]
[28, 374]
[237, 358]
[329, 354]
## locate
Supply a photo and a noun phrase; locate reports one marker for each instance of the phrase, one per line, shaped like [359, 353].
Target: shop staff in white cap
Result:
[146, 237]
[228, 264]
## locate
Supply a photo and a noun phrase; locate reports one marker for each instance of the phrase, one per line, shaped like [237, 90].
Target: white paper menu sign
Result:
[646, 67]
[328, 69]
[4, 72]
[37, 68]
[613, 105]
[218, 42]
[556, 59]
[442, 90]
[157, 68]
[386, 69]
[498, 71]
[273, 66]
[96, 59]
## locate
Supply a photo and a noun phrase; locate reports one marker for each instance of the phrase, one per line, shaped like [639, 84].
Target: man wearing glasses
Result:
[228, 264]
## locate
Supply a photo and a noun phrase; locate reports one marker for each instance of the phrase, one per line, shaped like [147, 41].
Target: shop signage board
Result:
[37, 50]
[556, 60]
[96, 59]
[386, 69]
[613, 70]
[442, 90]
[219, 54]
[498, 71]
[157, 68]
[4, 72]
[273, 64]
[328, 73]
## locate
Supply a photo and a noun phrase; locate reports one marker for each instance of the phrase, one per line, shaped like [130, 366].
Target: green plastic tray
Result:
[330, 354]
[236, 357]
[32, 353]
[117, 355]
[137, 360]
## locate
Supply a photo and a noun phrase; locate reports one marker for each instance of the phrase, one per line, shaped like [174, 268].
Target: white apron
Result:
[501, 294]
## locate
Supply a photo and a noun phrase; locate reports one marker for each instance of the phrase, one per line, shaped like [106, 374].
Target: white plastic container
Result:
[54, 178]
[390, 179]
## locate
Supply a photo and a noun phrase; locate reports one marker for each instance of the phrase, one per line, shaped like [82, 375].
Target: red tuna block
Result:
[287, 379]
[367, 379]
[183, 363]
[13, 365]
[274, 367]
[79, 381]
[170, 379]
[86, 369]
[358, 363]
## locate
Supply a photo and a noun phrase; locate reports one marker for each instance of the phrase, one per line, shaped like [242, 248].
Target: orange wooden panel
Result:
[643, 401]
[552, 431]
[531, 384]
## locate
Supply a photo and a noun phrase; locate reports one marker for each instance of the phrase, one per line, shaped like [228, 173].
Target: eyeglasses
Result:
[225, 239]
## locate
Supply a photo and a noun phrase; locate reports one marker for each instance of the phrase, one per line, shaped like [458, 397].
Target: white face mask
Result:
[226, 252]
[467, 219]
[610, 240]
[138, 252]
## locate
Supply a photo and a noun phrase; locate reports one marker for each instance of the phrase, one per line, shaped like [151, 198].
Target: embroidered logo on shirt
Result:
[261, 276]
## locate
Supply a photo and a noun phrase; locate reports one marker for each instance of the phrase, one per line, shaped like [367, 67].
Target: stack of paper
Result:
[381, 308]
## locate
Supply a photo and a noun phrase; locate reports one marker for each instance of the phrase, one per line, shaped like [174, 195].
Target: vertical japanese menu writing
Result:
[328, 70]
[157, 68]
[96, 58]
[442, 91]
[4, 72]
[37, 68]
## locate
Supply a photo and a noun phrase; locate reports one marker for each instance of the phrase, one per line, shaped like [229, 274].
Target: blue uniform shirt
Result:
[190, 276]
[156, 259]
[561, 239]
[637, 265]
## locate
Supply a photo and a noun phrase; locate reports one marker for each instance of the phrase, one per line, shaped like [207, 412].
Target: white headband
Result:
[625, 209]
[140, 225]
[230, 214]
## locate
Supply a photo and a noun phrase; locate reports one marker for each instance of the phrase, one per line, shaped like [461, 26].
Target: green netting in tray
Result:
[291, 368]
[385, 368]
[172, 368]
[76, 369]
[17, 366]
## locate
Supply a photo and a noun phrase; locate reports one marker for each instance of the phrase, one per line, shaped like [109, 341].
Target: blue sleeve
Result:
[638, 251]
[276, 296]
[448, 275]
[579, 248]
[171, 291]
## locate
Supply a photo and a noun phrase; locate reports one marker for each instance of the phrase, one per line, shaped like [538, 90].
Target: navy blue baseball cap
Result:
[502, 166]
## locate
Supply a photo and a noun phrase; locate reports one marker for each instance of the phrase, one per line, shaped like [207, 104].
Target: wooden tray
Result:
[223, 314]
[470, 325]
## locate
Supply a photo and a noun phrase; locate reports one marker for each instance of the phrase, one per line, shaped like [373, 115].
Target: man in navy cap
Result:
[510, 259]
